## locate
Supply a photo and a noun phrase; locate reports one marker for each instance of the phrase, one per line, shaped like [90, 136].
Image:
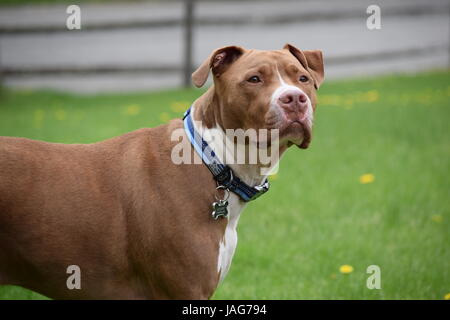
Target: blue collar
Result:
[221, 172]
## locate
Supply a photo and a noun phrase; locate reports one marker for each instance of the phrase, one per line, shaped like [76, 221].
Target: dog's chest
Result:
[228, 243]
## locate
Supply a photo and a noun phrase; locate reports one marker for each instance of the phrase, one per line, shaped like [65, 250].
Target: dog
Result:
[134, 223]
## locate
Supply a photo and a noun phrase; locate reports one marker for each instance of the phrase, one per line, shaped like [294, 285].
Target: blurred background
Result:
[372, 189]
[142, 45]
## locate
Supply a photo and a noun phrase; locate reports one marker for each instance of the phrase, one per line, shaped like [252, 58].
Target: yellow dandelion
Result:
[60, 115]
[366, 178]
[334, 100]
[164, 117]
[133, 110]
[437, 218]
[372, 96]
[447, 296]
[346, 269]
[179, 106]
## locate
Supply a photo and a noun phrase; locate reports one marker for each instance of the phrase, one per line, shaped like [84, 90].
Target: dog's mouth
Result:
[293, 128]
[298, 132]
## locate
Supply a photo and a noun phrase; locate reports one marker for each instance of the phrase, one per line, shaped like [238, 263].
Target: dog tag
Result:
[220, 209]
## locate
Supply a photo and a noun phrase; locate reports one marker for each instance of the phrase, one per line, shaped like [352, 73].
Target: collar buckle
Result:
[262, 188]
[225, 177]
[222, 173]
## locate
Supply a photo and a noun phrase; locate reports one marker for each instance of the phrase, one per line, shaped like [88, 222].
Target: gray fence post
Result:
[188, 24]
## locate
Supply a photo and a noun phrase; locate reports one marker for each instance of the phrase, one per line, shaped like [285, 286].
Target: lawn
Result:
[373, 188]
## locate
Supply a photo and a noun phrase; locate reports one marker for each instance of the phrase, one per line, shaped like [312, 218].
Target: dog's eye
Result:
[303, 79]
[254, 79]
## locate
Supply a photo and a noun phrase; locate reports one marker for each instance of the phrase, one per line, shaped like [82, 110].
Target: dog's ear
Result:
[218, 62]
[311, 60]
[315, 64]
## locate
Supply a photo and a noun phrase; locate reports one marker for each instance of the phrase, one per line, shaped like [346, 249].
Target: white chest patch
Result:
[228, 243]
[247, 173]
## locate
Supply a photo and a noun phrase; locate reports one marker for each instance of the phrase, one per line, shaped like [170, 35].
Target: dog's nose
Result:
[294, 100]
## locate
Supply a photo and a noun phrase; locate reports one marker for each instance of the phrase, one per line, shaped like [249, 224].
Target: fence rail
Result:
[111, 69]
[187, 21]
[240, 20]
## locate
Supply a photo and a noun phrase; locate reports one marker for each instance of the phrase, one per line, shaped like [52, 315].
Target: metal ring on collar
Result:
[227, 193]
[226, 171]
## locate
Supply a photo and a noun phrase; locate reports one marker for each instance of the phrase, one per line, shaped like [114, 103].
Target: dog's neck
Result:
[207, 122]
[206, 118]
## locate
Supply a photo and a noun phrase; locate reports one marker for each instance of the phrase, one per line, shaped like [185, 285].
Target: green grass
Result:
[317, 216]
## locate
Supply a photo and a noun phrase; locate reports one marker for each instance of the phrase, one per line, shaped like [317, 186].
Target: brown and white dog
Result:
[138, 225]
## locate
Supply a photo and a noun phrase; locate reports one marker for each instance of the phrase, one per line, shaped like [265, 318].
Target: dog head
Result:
[264, 90]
